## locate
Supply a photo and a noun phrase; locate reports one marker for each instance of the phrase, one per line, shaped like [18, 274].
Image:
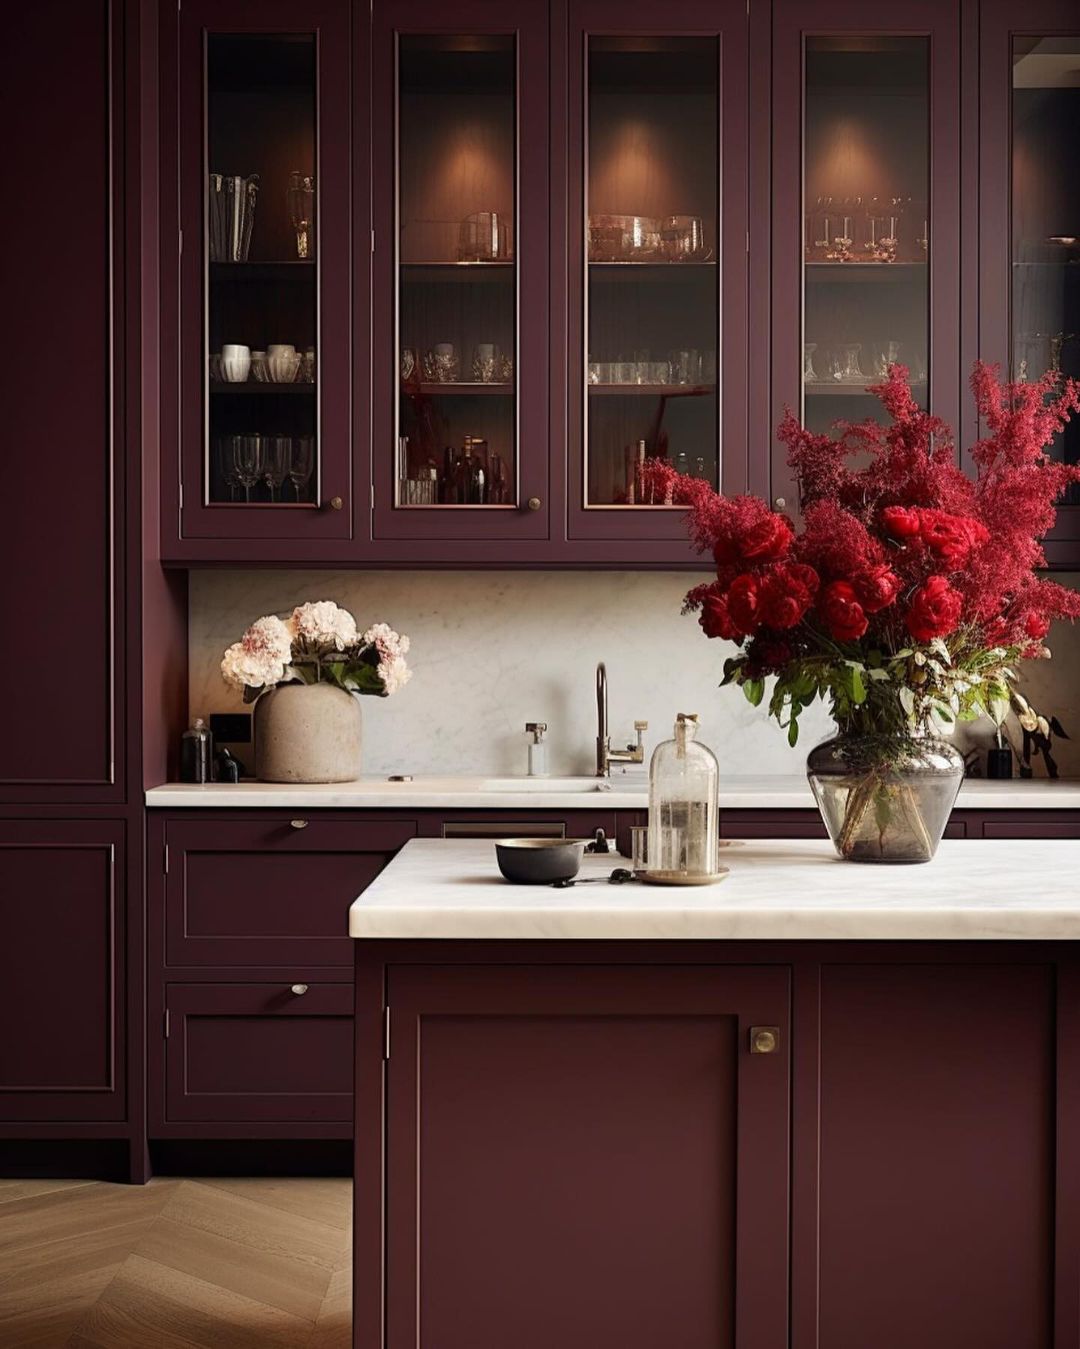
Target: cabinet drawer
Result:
[262, 893]
[258, 1053]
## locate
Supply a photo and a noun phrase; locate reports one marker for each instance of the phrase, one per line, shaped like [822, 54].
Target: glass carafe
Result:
[683, 820]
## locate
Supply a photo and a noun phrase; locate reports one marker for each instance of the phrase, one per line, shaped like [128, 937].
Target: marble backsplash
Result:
[493, 650]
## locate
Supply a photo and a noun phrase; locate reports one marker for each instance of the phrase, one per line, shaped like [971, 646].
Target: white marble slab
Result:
[620, 793]
[777, 889]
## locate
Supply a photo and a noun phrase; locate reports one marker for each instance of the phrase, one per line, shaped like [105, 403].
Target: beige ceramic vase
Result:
[307, 733]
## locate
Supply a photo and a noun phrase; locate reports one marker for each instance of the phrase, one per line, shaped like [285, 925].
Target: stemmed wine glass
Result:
[247, 461]
[301, 464]
[300, 196]
[276, 458]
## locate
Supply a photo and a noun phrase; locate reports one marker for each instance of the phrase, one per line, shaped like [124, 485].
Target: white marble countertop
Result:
[620, 792]
[778, 889]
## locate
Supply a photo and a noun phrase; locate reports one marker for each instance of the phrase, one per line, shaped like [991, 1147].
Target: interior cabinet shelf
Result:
[254, 387]
[824, 390]
[461, 390]
[302, 270]
[651, 390]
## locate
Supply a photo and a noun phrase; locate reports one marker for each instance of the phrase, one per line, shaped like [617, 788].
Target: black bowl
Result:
[539, 861]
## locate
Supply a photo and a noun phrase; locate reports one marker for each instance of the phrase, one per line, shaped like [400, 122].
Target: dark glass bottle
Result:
[197, 753]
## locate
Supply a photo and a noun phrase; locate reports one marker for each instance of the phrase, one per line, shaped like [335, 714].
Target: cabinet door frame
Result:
[1000, 21]
[36, 1103]
[758, 995]
[793, 22]
[506, 527]
[659, 534]
[191, 528]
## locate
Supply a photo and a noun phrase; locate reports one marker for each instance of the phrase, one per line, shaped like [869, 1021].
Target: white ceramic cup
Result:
[235, 363]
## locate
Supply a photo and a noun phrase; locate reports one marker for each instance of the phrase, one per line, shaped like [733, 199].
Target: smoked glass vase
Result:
[885, 798]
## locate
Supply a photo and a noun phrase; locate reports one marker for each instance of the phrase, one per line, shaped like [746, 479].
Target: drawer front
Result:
[264, 893]
[1033, 829]
[258, 1053]
[804, 824]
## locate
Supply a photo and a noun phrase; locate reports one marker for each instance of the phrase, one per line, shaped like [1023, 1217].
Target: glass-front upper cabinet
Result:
[265, 271]
[657, 255]
[1030, 310]
[460, 266]
[873, 216]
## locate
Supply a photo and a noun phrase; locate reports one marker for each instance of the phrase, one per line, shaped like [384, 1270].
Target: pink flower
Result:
[321, 623]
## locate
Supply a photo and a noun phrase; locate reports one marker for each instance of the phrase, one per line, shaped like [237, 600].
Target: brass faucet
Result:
[605, 755]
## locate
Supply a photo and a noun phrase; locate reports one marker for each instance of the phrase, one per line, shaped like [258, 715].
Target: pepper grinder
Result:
[538, 750]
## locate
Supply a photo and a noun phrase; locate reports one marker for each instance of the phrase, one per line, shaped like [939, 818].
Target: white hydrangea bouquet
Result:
[318, 643]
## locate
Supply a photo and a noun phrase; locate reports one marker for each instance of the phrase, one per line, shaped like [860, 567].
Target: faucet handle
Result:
[641, 725]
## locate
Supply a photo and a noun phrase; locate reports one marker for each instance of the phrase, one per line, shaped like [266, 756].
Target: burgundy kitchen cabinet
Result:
[585, 1156]
[259, 1053]
[257, 230]
[1029, 198]
[867, 127]
[573, 1143]
[63, 505]
[62, 934]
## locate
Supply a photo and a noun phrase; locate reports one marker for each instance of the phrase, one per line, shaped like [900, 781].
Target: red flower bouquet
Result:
[910, 590]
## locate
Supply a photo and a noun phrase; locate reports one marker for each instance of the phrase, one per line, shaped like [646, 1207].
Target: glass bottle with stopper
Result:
[683, 820]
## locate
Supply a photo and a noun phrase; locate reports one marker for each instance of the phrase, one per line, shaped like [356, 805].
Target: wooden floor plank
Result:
[333, 1330]
[149, 1304]
[321, 1199]
[42, 1313]
[11, 1190]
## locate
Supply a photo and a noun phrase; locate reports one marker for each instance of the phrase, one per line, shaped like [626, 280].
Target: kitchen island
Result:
[818, 1105]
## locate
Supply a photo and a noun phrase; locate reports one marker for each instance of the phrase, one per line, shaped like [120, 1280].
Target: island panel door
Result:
[586, 1156]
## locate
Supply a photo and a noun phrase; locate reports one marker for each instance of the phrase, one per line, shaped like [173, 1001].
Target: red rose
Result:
[1036, 626]
[935, 609]
[876, 587]
[951, 537]
[843, 614]
[769, 539]
[724, 551]
[786, 594]
[767, 655]
[716, 620]
[899, 522]
[743, 602]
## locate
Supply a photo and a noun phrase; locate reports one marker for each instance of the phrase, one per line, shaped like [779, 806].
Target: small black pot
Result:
[539, 861]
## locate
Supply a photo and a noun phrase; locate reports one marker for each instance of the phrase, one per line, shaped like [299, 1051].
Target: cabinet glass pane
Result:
[261, 271]
[866, 189]
[651, 244]
[1046, 216]
[457, 271]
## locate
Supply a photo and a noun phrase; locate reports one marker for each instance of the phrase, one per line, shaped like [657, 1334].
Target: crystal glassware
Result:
[682, 239]
[246, 455]
[623, 238]
[277, 457]
[485, 363]
[809, 374]
[445, 366]
[231, 215]
[850, 373]
[300, 198]
[484, 236]
[301, 464]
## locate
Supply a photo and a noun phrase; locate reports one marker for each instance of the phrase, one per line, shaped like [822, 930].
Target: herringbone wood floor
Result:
[176, 1264]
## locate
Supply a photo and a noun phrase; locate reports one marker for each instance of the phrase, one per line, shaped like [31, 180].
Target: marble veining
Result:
[776, 889]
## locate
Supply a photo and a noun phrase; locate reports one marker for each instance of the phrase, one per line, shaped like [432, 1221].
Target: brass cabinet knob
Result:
[299, 824]
[299, 989]
[336, 503]
[534, 503]
[779, 503]
[764, 1039]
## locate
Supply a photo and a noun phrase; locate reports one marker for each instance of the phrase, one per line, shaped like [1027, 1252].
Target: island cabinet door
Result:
[936, 1211]
[587, 1156]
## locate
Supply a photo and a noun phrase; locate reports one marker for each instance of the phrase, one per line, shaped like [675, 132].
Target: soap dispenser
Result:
[683, 844]
[538, 750]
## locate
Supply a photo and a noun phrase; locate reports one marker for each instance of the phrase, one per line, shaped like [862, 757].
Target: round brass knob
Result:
[299, 989]
[336, 503]
[763, 1041]
[779, 503]
[299, 824]
[534, 503]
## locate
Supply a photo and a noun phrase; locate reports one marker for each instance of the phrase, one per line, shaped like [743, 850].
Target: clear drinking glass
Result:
[277, 456]
[300, 197]
[246, 452]
[301, 463]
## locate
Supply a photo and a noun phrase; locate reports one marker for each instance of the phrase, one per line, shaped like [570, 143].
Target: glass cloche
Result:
[683, 821]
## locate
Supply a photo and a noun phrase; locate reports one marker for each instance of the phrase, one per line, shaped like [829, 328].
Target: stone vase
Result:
[307, 733]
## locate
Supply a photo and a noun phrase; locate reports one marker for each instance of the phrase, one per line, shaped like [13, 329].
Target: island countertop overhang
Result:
[777, 889]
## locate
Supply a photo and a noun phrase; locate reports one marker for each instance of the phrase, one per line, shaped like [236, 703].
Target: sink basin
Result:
[536, 785]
